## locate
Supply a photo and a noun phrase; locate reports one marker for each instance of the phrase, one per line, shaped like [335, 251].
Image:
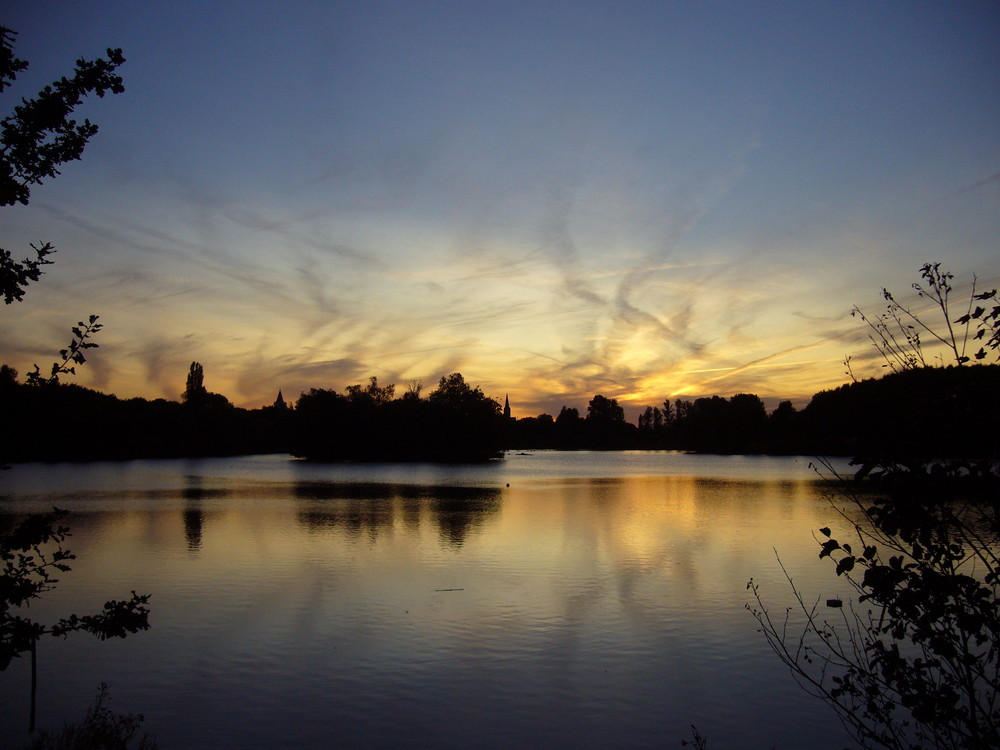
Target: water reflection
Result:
[369, 508]
[193, 516]
[195, 493]
[456, 513]
[300, 606]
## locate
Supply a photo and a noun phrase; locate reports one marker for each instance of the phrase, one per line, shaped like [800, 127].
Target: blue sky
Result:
[641, 199]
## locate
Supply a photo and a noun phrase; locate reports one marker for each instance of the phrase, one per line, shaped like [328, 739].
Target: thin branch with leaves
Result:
[913, 661]
[896, 333]
[72, 355]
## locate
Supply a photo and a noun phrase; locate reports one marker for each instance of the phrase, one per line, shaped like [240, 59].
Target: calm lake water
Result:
[589, 600]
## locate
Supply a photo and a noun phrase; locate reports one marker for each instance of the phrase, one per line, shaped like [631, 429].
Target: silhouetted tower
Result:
[506, 407]
[279, 402]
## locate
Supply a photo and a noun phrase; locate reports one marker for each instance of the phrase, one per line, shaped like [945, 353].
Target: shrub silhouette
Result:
[913, 662]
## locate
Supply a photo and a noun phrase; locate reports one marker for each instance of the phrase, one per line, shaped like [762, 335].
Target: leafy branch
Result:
[917, 665]
[896, 332]
[38, 137]
[40, 134]
[32, 553]
[15, 276]
[74, 353]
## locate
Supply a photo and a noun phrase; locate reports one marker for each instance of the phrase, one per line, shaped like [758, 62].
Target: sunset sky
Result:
[646, 200]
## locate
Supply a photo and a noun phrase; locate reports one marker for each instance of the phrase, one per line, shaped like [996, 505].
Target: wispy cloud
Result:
[606, 207]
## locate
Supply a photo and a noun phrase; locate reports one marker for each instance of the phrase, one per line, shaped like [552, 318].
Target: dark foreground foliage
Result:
[913, 663]
[37, 138]
[32, 555]
[914, 660]
[100, 729]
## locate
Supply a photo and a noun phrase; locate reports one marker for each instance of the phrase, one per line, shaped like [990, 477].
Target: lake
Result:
[579, 599]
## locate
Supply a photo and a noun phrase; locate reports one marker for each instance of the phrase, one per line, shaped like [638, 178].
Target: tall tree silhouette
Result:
[194, 391]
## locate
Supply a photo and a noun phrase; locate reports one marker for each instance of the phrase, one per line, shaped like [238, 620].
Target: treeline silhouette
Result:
[72, 423]
[58, 422]
[930, 412]
[454, 423]
[926, 412]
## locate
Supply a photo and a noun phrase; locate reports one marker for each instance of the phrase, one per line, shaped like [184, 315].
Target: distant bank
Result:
[928, 413]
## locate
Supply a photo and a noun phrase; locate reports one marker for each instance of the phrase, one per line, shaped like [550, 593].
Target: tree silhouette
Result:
[606, 427]
[197, 396]
[899, 334]
[31, 551]
[456, 422]
[372, 393]
[34, 142]
[72, 355]
[912, 662]
[194, 391]
[466, 424]
[569, 428]
[37, 138]
[604, 411]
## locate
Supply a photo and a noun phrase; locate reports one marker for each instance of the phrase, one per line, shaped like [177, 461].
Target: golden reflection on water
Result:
[691, 527]
[466, 602]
